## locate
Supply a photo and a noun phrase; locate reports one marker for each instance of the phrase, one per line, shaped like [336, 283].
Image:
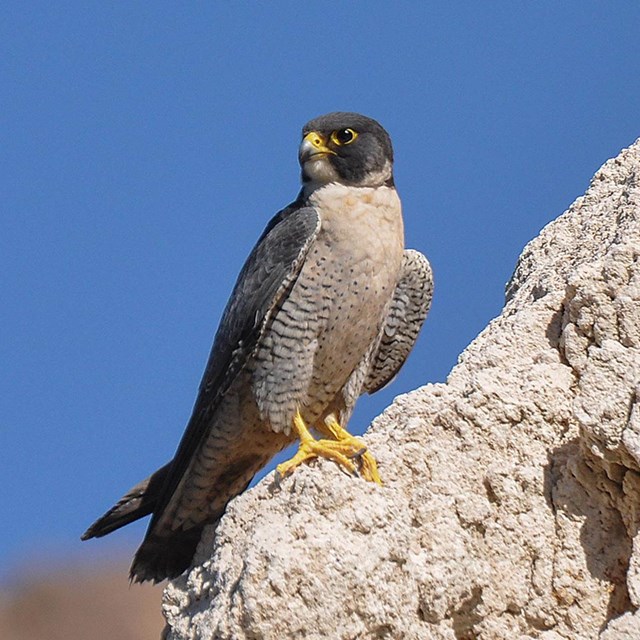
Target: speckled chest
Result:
[336, 306]
[354, 263]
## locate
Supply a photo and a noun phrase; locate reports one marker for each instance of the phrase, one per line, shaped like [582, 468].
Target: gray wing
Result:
[269, 271]
[409, 308]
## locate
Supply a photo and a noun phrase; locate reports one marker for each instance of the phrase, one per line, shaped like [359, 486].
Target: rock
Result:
[511, 502]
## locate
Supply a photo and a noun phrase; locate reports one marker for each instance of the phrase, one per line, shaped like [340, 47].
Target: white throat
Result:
[320, 173]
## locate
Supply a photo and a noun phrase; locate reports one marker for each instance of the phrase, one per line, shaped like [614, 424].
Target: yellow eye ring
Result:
[341, 137]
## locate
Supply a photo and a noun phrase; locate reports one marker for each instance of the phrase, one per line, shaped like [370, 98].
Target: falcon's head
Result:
[347, 148]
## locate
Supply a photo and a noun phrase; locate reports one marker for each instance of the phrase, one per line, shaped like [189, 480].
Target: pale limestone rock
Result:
[511, 503]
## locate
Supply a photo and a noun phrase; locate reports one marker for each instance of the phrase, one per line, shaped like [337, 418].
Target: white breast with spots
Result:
[336, 306]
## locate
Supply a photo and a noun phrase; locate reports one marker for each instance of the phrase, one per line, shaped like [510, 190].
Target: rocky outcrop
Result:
[511, 502]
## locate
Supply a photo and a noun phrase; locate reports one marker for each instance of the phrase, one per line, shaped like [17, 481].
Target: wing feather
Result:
[269, 271]
[409, 308]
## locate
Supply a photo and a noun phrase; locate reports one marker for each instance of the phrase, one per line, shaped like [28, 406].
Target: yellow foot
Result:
[340, 451]
[367, 463]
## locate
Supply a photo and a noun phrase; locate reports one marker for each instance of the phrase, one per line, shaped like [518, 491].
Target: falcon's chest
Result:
[353, 264]
[333, 312]
[361, 230]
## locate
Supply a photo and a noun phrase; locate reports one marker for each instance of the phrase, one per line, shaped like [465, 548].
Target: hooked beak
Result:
[313, 144]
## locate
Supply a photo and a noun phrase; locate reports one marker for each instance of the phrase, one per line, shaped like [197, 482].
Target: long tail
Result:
[137, 503]
[166, 553]
[159, 558]
[168, 547]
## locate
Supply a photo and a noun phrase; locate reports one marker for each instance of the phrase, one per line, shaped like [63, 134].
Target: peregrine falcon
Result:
[327, 307]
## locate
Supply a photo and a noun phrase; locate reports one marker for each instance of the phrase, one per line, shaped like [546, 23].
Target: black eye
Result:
[343, 136]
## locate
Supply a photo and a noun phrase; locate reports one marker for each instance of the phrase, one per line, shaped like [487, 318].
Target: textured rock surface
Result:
[511, 503]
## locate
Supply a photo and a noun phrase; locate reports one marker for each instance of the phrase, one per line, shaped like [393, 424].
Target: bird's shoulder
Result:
[273, 262]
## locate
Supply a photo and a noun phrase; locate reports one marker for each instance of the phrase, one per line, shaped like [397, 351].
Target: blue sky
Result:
[144, 146]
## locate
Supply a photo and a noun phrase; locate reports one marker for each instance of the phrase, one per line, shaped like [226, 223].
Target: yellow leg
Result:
[367, 463]
[338, 450]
